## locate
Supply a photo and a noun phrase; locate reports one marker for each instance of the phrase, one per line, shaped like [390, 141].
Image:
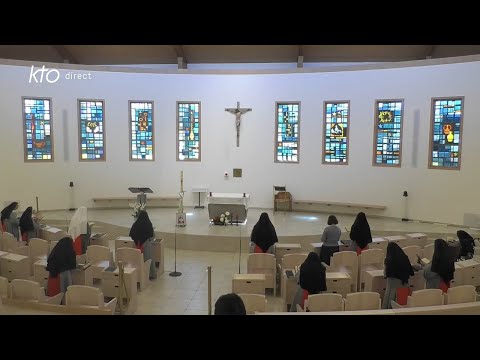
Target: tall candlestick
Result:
[181, 181]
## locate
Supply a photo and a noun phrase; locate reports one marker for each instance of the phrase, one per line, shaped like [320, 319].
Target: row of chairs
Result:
[76, 295]
[99, 256]
[371, 300]
[344, 261]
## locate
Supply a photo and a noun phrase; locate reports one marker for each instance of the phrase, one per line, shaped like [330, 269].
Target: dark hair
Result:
[332, 220]
[230, 304]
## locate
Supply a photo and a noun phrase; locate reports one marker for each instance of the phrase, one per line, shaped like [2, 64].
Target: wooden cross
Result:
[238, 112]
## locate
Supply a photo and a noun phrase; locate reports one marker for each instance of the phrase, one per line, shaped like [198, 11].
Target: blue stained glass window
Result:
[446, 133]
[141, 130]
[38, 129]
[92, 131]
[337, 117]
[188, 131]
[288, 119]
[388, 132]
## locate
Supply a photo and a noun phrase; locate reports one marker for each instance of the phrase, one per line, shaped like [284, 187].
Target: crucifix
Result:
[238, 112]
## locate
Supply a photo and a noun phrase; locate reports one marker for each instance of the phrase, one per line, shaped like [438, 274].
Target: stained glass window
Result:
[335, 141]
[141, 130]
[92, 130]
[188, 131]
[446, 132]
[388, 132]
[38, 130]
[287, 132]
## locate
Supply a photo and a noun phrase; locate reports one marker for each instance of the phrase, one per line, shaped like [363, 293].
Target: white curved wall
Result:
[434, 194]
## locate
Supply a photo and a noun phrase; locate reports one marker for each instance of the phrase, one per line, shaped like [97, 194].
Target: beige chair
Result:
[401, 241]
[4, 287]
[371, 259]
[52, 245]
[10, 244]
[412, 252]
[79, 295]
[37, 250]
[100, 258]
[281, 196]
[289, 261]
[325, 302]
[254, 303]
[363, 301]
[425, 297]
[134, 258]
[345, 261]
[28, 290]
[264, 264]
[416, 240]
[378, 243]
[460, 294]
[428, 251]
[21, 249]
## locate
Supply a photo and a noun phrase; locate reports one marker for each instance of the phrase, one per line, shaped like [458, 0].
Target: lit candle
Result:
[181, 181]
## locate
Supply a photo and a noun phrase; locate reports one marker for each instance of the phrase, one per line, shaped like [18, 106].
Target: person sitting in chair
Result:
[360, 233]
[28, 225]
[263, 236]
[312, 280]
[397, 271]
[9, 219]
[467, 244]
[440, 271]
[142, 234]
[80, 230]
[60, 263]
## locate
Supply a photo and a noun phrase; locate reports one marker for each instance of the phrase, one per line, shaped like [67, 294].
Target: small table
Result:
[83, 275]
[40, 273]
[199, 190]
[289, 286]
[338, 283]
[158, 252]
[110, 284]
[471, 272]
[375, 282]
[248, 284]
[15, 266]
[124, 241]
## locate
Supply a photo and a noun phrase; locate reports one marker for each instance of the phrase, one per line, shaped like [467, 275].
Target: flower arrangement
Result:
[137, 208]
[223, 219]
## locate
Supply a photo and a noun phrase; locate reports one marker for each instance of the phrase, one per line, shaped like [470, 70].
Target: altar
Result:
[235, 204]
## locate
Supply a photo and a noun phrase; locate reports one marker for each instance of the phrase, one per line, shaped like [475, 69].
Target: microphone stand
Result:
[240, 247]
[175, 273]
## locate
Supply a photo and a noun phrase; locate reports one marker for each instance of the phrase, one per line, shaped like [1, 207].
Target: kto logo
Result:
[38, 75]
[51, 75]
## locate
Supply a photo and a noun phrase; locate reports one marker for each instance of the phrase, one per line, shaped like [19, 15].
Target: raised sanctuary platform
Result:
[199, 234]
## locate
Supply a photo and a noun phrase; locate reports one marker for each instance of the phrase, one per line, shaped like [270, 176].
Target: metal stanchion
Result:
[120, 287]
[209, 271]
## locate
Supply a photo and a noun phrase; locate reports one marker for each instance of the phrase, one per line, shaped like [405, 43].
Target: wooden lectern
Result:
[282, 196]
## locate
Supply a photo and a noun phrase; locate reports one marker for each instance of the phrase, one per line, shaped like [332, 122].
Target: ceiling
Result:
[205, 54]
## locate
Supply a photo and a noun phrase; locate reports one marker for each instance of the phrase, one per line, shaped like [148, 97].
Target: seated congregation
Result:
[363, 273]
[391, 281]
[52, 269]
